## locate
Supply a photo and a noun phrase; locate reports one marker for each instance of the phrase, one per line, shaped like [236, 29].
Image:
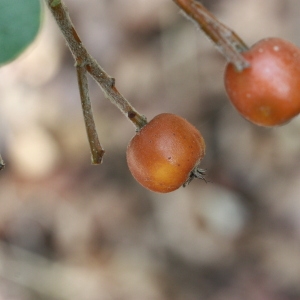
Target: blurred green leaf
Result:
[19, 24]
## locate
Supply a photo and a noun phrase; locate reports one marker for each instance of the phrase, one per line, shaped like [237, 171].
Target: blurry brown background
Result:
[70, 230]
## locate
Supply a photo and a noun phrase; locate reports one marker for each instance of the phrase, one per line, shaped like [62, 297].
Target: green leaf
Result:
[19, 24]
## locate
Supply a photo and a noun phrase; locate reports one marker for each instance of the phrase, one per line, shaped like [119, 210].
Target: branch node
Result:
[113, 82]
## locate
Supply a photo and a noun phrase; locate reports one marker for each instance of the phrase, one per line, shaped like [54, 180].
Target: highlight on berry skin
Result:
[165, 154]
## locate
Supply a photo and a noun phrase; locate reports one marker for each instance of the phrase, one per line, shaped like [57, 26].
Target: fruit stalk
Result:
[226, 40]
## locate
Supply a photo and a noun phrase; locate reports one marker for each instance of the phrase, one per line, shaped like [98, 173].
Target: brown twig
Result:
[85, 62]
[226, 40]
[96, 150]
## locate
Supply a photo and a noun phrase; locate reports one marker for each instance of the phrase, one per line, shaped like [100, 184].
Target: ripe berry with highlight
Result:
[165, 154]
[268, 92]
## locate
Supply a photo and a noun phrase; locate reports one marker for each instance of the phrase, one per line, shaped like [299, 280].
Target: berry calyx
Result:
[165, 154]
[268, 92]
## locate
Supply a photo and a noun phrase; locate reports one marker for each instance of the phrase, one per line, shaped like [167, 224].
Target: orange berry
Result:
[165, 153]
[268, 92]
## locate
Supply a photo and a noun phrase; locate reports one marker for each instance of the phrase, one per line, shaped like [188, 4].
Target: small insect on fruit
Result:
[165, 154]
[268, 92]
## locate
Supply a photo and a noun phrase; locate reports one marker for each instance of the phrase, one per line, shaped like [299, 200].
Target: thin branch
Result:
[96, 150]
[84, 62]
[84, 59]
[226, 40]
